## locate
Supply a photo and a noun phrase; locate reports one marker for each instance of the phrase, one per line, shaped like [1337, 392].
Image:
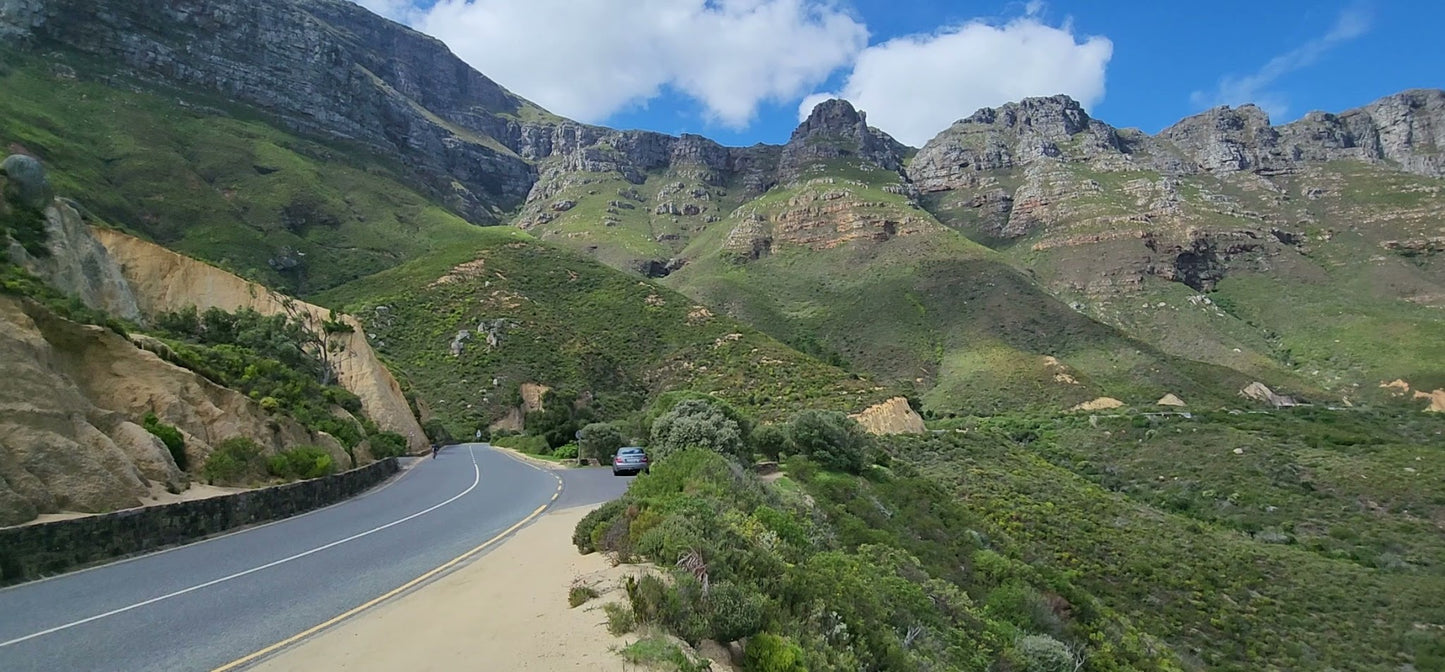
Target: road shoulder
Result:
[507, 611]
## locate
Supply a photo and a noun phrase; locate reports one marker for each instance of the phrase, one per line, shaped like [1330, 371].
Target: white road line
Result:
[477, 478]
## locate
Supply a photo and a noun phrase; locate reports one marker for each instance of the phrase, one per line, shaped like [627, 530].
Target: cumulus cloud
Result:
[1255, 87]
[913, 87]
[588, 59]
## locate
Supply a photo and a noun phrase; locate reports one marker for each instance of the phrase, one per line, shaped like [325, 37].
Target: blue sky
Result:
[742, 71]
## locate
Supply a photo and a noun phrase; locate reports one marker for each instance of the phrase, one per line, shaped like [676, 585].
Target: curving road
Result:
[214, 602]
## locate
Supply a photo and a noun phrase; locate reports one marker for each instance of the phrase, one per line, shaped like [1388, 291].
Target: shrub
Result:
[567, 452]
[175, 442]
[387, 444]
[1023, 606]
[600, 441]
[436, 431]
[301, 462]
[235, 461]
[733, 612]
[620, 619]
[767, 652]
[1042, 653]
[771, 441]
[579, 595]
[831, 439]
[695, 423]
[602, 515]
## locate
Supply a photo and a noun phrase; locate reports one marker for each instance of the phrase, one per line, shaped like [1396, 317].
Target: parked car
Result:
[630, 460]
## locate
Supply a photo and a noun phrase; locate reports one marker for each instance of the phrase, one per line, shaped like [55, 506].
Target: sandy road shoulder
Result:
[505, 611]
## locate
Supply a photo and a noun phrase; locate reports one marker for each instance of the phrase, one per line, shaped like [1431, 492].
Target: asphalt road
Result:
[204, 605]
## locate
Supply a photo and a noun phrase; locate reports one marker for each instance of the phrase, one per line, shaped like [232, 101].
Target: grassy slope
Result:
[222, 186]
[938, 311]
[1314, 547]
[1339, 313]
[577, 326]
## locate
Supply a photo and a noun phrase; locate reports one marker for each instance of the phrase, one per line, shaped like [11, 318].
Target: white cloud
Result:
[913, 87]
[588, 59]
[1254, 88]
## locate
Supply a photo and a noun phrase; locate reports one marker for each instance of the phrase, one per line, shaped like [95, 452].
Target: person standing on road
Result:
[434, 450]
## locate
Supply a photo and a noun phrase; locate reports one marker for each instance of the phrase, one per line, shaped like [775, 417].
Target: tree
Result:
[600, 441]
[696, 423]
[834, 440]
[318, 336]
[771, 441]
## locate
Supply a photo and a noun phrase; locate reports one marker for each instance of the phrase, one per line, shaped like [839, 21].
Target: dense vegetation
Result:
[1293, 540]
[279, 360]
[472, 325]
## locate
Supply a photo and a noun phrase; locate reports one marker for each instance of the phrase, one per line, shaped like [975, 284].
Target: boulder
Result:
[27, 184]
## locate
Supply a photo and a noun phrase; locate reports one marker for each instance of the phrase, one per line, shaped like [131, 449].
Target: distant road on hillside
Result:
[207, 604]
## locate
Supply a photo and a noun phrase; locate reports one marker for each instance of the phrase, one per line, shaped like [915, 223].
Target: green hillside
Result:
[536, 314]
[216, 181]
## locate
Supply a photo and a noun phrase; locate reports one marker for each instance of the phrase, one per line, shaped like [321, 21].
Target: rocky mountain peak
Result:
[832, 117]
[1225, 138]
[836, 130]
[1053, 116]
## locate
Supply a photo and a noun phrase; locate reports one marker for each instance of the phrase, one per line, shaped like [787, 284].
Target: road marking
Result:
[477, 478]
[400, 589]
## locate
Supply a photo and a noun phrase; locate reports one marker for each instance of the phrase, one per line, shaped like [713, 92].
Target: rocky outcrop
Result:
[68, 412]
[894, 416]
[1228, 139]
[1260, 392]
[77, 264]
[165, 281]
[836, 131]
[1407, 129]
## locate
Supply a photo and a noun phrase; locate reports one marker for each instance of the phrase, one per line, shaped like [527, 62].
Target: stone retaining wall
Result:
[32, 551]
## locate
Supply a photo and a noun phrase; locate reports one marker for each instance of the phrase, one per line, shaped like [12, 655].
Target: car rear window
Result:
[629, 451]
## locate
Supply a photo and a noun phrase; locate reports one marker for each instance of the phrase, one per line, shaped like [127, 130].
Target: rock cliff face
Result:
[165, 281]
[77, 264]
[68, 412]
[325, 67]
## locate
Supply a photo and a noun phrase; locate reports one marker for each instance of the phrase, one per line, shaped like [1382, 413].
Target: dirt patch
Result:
[1100, 404]
[505, 611]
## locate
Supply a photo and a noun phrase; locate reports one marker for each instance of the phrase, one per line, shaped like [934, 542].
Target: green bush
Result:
[602, 515]
[831, 439]
[771, 441]
[235, 461]
[175, 442]
[620, 620]
[532, 445]
[567, 452]
[767, 652]
[695, 423]
[387, 444]
[1042, 653]
[301, 462]
[436, 431]
[600, 441]
[579, 595]
[733, 612]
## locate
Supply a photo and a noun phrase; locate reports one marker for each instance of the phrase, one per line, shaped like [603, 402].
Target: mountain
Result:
[1223, 239]
[1137, 353]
